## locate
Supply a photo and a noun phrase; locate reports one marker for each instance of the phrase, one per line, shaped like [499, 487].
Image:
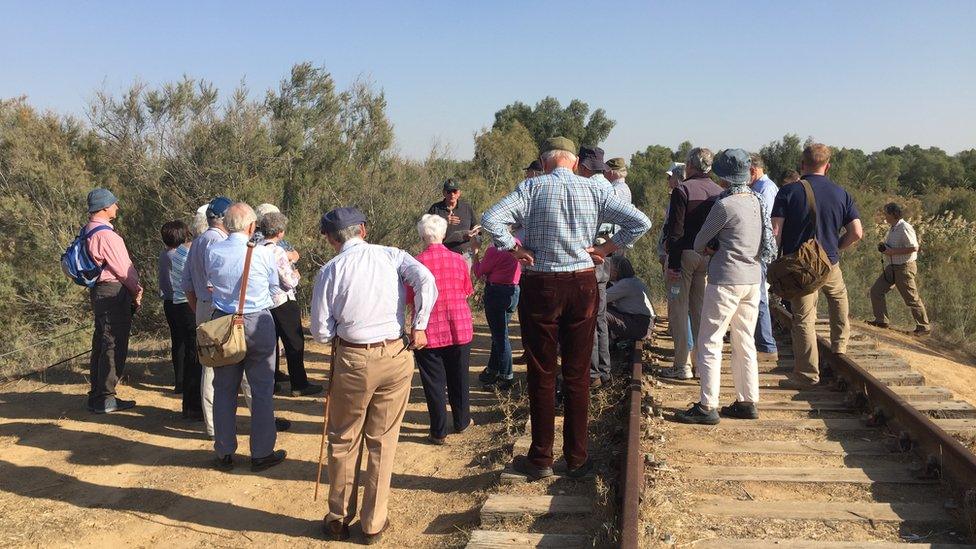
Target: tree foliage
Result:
[548, 119]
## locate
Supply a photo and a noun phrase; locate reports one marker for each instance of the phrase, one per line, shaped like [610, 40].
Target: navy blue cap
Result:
[218, 207]
[591, 158]
[535, 166]
[340, 218]
[99, 199]
[732, 165]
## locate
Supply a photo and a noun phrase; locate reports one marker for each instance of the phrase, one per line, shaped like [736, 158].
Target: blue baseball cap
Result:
[732, 165]
[340, 218]
[218, 207]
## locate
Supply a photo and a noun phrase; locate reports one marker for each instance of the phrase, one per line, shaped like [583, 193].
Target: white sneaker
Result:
[675, 372]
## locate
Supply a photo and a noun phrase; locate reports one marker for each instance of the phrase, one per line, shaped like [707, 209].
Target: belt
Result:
[500, 284]
[563, 274]
[352, 345]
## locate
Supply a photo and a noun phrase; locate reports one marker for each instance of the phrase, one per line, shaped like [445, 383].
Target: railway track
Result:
[873, 460]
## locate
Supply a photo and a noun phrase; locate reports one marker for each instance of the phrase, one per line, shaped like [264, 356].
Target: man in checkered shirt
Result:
[560, 214]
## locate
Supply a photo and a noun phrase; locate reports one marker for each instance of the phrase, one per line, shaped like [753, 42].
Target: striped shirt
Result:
[560, 213]
[171, 264]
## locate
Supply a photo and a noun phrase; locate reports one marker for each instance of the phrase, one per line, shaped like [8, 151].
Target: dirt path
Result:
[144, 477]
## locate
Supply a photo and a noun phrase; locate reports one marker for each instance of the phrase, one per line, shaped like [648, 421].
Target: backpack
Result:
[76, 261]
[806, 270]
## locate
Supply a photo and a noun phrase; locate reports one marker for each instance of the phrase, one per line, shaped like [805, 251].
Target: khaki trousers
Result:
[807, 361]
[368, 395]
[685, 297]
[904, 277]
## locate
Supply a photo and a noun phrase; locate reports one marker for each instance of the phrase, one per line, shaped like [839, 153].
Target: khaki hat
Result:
[617, 164]
[559, 144]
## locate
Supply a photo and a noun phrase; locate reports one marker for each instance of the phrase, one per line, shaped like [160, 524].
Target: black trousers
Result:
[183, 337]
[288, 324]
[112, 307]
[444, 374]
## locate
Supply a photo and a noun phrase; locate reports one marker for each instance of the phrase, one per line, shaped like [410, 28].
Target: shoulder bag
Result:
[806, 270]
[220, 342]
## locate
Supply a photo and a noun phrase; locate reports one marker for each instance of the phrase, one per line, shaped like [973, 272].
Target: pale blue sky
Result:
[859, 73]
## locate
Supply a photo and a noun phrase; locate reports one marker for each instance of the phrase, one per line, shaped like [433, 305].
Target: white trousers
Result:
[725, 307]
[203, 313]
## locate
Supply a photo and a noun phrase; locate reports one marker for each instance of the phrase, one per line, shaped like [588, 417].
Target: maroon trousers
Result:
[557, 312]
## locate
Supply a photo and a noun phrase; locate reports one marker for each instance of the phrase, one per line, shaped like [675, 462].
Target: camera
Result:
[882, 247]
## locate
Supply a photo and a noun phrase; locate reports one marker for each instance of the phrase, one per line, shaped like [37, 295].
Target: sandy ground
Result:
[143, 477]
[942, 366]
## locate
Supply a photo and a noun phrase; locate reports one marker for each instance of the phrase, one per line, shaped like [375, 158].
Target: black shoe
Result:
[581, 471]
[307, 390]
[225, 463]
[260, 464]
[521, 464]
[336, 530]
[697, 414]
[877, 323]
[504, 384]
[282, 424]
[740, 410]
[436, 441]
[113, 404]
[372, 539]
[487, 376]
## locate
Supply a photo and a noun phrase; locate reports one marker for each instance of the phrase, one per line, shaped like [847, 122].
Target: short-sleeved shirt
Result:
[171, 264]
[901, 235]
[835, 209]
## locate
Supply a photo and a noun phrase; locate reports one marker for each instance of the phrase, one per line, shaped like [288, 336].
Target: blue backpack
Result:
[77, 263]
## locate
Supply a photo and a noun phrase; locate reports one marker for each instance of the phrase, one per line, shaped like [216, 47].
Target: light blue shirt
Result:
[194, 277]
[224, 266]
[766, 190]
[560, 213]
[360, 296]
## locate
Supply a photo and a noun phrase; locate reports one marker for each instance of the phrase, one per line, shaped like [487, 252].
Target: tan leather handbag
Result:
[806, 270]
[220, 342]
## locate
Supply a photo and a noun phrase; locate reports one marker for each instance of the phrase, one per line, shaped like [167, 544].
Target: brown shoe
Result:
[436, 441]
[921, 331]
[375, 538]
[335, 530]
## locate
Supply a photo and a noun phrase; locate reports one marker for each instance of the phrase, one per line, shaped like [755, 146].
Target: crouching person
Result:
[358, 304]
[739, 238]
[629, 309]
[225, 266]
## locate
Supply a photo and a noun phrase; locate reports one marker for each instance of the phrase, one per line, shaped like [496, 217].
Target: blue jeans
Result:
[500, 303]
[765, 342]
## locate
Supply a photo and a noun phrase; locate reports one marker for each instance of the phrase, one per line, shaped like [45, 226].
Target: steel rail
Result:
[633, 474]
[956, 462]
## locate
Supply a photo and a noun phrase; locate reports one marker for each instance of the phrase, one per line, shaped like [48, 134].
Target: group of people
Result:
[558, 257]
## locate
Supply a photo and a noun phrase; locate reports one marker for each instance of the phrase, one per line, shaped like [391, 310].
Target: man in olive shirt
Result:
[460, 219]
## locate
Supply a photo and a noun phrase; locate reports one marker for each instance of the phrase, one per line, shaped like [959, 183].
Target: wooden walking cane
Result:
[325, 417]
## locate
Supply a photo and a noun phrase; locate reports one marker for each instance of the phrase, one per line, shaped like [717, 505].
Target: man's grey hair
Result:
[272, 224]
[342, 235]
[239, 217]
[432, 228]
[756, 161]
[614, 175]
[264, 209]
[700, 159]
[199, 223]
[551, 156]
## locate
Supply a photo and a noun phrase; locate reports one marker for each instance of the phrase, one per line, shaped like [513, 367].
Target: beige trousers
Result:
[904, 277]
[807, 361]
[685, 297]
[368, 395]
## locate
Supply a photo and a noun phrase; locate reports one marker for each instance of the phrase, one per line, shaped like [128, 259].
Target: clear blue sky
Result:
[861, 73]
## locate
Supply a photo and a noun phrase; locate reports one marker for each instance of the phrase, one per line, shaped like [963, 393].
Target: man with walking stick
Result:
[358, 305]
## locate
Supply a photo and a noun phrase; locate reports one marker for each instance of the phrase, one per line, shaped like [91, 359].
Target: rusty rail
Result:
[633, 474]
[956, 462]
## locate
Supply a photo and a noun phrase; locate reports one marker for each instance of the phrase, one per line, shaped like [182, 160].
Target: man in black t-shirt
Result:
[835, 211]
[460, 219]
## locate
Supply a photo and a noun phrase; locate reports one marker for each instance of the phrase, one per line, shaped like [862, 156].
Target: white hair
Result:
[239, 217]
[265, 209]
[199, 224]
[550, 156]
[432, 228]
